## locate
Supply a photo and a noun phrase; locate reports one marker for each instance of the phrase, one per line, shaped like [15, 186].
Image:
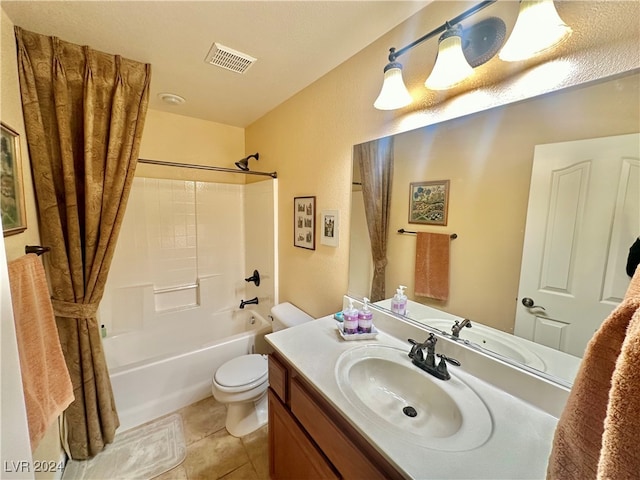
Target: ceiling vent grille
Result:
[228, 58]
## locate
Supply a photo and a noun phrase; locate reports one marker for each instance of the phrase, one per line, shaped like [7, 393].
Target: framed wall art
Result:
[304, 222]
[429, 202]
[13, 214]
[330, 227]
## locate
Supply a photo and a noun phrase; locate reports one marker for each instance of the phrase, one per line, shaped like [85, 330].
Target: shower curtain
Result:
[375, 160]
[84, 113]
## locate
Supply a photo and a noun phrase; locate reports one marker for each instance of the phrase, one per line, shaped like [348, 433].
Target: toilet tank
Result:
[287, 315]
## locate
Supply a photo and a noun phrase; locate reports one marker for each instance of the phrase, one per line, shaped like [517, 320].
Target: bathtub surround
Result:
[144, 452]
[98, 123]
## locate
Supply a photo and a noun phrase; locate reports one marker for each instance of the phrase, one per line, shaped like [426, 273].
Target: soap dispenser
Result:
[365, 318]
[399, 301]
[350, 319]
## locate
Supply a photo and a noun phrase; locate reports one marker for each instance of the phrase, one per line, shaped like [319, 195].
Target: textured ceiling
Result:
[295, 42]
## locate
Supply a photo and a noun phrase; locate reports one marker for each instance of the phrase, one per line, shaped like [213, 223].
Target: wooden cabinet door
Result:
[295, 457]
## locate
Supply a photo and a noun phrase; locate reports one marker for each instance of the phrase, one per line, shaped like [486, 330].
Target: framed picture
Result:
[429, 202]
[13, 215]
[304, 222]
[330, 225]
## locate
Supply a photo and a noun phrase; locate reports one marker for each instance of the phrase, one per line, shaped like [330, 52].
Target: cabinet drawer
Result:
[350, 459]
[278, 378]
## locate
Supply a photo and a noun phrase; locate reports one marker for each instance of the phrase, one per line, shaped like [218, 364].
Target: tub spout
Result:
[253, 301]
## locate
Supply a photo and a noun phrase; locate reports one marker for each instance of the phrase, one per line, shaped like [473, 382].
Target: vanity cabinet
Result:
[309, 438]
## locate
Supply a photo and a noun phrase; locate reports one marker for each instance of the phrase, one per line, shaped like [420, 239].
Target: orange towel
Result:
[45, 378]
[432, 265]
[598, 431]
[620, 456]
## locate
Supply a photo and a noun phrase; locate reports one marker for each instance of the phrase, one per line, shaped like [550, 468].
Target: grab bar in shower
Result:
[175, 289]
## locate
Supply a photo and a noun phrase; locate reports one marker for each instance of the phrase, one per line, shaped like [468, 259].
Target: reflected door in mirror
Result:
[583, 214]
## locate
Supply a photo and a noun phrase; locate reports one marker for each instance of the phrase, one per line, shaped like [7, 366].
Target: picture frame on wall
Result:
[429, 202]
[304, 222]
[330, 224]
[12, 198]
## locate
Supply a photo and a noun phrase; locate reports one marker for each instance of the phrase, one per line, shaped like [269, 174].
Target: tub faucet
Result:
[428, 363]
[253, 301]
[457, 326]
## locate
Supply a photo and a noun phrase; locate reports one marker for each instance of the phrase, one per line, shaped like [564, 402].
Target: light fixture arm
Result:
[394, 54]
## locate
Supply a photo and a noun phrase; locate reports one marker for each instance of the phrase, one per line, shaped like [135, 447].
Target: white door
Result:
[583, 215]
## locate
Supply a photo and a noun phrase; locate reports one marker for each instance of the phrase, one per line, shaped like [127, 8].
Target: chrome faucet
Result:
[253, 301]
[428, 363]
[457, 326]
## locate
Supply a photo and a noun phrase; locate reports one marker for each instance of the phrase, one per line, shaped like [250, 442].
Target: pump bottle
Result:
[399, 301]
[365, 318]
[350, 319]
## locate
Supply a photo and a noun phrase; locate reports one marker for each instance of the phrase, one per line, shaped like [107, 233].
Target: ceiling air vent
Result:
[228, 58]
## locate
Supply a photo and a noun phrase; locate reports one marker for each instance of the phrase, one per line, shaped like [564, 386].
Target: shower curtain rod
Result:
[205, 167]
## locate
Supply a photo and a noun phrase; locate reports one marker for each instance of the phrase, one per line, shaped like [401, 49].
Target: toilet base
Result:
[244, 418]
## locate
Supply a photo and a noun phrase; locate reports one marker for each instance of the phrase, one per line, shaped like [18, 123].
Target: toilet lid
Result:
[242, 370]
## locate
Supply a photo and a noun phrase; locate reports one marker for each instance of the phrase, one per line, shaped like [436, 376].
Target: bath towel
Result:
[432, 265]
[598, 432]
[45, 377]
[620, 455]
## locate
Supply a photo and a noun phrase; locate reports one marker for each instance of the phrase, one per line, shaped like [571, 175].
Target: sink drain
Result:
[409, 411]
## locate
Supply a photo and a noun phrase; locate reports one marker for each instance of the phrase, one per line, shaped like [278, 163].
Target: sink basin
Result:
[499, 342]
[387, 389]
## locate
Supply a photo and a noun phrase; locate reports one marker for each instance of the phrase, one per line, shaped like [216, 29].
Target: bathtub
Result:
[155, 372]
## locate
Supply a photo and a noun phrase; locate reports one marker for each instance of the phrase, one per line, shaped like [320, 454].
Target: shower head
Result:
[244, 163]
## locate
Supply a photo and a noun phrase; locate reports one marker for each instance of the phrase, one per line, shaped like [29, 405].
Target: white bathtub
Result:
[155, 372]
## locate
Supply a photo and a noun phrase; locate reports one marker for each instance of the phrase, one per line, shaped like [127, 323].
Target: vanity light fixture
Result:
[451, 65]
[538, 28]
[393, 94]
[461, 50]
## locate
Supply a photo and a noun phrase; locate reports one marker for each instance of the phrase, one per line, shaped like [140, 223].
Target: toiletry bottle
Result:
[350, 319]
[399, 301]
[103, 331]
[365, 318]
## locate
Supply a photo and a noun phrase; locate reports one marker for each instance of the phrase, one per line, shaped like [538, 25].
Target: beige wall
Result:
[309, 138]
[11, 115]
[176, 138]
[488, 159]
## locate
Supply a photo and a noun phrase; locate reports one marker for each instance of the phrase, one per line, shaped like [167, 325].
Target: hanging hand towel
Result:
[45, 378]
[620, 456]
[432, 265]
[598, 429]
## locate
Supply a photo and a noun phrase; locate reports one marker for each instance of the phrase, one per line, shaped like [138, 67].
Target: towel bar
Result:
[402, 230]
[37, 249]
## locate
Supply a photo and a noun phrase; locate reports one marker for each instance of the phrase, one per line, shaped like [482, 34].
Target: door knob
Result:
[529, 303]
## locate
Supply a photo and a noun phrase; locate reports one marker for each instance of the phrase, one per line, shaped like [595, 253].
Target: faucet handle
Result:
[416, 350]
[452, 361]
[441, 369]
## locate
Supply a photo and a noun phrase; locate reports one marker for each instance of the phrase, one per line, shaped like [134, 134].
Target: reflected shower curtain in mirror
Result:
[84, 113]
[375, 160]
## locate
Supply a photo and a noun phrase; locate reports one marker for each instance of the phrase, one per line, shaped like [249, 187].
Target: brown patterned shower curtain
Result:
[375, 160]
[84, 113]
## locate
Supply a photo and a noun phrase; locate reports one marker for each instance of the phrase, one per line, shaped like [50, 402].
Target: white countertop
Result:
[518, 447]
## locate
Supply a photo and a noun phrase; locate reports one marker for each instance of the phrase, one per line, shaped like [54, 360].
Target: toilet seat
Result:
[242, 373]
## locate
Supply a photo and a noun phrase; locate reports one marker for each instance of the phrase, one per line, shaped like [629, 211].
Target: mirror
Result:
[488, 159]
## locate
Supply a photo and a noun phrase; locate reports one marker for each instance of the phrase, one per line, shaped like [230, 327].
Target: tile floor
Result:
[214, 454]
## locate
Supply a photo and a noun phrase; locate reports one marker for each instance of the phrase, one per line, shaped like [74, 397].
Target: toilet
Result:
[241, 383]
